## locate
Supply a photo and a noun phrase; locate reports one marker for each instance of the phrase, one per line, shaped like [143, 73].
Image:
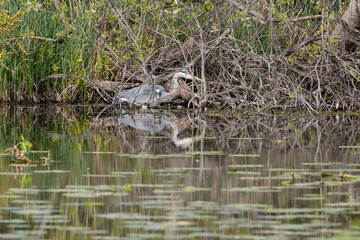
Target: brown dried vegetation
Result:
[251, 54]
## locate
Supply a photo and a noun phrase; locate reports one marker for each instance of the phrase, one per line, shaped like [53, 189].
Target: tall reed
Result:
[242, 57]
[42, 45]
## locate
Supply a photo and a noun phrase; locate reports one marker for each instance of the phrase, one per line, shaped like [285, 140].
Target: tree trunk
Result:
[348, 30]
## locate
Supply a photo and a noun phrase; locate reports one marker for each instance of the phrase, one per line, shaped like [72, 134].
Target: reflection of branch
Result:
[100, 123]
[65, 136]
[298, 132]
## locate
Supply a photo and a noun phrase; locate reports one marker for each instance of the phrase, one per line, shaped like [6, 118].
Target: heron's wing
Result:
[144, 122]
[143, 94]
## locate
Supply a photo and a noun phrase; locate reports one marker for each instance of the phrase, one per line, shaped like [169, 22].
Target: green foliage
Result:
[38, 43]
[39, 38]
[9, 22]
[25, 145]
[128, 187]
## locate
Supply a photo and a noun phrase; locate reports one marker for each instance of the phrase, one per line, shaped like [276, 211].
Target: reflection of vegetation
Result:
[19, 149]
[289, 182]
[231, 183]
[325, 175]
[128, 187]
[25, 147]
[344, 176]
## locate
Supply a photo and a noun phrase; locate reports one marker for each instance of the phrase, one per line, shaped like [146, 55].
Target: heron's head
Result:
[186, 74]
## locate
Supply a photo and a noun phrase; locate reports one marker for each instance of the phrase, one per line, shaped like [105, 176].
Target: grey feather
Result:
[152, 94]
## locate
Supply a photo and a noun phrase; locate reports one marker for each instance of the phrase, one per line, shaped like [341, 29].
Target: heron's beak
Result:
[198, 79]
[195, 78]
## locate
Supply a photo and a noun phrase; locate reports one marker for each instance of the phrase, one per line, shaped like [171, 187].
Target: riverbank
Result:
[285, 57]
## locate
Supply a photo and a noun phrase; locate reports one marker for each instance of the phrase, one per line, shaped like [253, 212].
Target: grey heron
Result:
[152, 122]
[153, 95]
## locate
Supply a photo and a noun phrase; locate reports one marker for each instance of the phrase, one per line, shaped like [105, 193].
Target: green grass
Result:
[35, 55]
[50, 41]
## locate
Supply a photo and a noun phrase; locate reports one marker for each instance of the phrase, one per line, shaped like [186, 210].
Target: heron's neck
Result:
[174, 127]
[170, 95]
[183, 143]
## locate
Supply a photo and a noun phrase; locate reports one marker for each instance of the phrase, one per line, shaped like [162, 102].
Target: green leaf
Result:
[128, 187]
[25, 145]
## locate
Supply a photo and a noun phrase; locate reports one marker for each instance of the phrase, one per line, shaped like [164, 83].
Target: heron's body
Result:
[143, 95]
[152, 122]
[145, 122]
[153, 94]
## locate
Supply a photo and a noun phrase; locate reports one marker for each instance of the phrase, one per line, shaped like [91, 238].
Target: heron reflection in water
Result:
[152, 123]
[153, 95]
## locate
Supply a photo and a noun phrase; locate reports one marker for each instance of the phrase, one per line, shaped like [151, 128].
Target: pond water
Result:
[108, 174]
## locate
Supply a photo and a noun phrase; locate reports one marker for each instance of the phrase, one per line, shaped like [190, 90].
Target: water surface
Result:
[111, 174]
